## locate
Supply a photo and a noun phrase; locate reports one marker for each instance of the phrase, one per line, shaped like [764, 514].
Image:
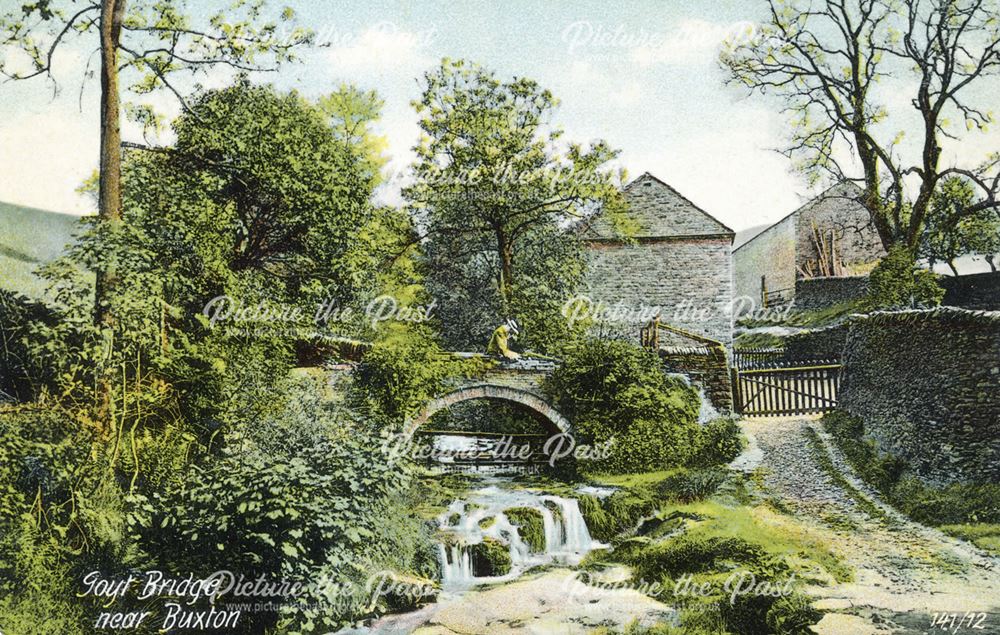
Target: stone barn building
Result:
[677, 263]
[831, 236]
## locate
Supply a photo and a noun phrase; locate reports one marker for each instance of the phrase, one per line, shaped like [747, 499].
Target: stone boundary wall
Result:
[825, 343]
[705, 367]
[820, 293]
[926, 383]
[975, 291]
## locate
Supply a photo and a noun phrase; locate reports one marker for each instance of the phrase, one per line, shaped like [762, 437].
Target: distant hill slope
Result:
[29, 238]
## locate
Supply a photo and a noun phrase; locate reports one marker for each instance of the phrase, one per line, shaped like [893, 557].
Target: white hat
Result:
[513, 326]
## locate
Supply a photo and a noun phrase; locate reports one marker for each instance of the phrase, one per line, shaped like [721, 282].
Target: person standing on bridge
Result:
[499, 341]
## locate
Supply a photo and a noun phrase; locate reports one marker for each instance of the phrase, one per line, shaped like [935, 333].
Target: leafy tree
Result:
[494, 182]
[352, 112]
[145, 43]
[948, 235]
[825, 60]
[898, 283]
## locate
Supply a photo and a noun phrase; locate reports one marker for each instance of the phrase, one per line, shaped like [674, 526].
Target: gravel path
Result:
[904, 572]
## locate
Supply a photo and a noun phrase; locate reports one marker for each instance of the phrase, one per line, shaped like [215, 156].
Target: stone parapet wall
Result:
[976, 291]
[927, 386]
[821, 293]
[705, 367]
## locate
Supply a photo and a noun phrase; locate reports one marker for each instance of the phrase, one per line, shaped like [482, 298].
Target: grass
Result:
[823, 460]
[969, 511]
[986, 536]
[811, 318]
[29, 238]
[758, 340]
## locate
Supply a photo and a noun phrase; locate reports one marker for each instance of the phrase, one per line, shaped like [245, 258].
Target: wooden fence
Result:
[790, 390]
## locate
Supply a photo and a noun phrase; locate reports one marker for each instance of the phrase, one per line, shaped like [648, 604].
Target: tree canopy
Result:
[832, 65]
[496, 188]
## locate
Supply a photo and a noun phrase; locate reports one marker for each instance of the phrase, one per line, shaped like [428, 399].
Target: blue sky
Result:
[642, 76]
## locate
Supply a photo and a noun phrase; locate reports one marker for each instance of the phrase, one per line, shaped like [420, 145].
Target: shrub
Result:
[792, 614]
[694, 485]
[717, 442]
[303, 496]
[400, 374]
[898, 283]
[688, 554]
[615, 390]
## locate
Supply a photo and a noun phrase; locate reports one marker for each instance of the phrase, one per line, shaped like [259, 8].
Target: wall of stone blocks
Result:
[688, 280]
[821, 293]
[816, 344]
[927, 386]
[770, 254]
[705, 368]
[837, 210]
[975, 291]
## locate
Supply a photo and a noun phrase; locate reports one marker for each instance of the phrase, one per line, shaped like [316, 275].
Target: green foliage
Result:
[950, 233]
[688, 554]
[953, 504]
[64, 515]
[615, 390]
[717, 442]
[490, 558]
[694, 485]
[304, 496]
[792, 614]
[529, 526]
[352, 112]
[497, 186]
[401, 374]
[618, 513]
[898, 283]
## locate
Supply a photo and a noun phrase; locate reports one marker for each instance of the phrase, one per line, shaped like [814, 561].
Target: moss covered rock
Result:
[530, 526]
[490, 558]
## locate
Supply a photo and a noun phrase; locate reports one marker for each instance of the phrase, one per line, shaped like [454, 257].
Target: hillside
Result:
[28, 238]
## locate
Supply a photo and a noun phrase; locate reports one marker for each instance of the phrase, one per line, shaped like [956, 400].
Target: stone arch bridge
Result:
[518, 381]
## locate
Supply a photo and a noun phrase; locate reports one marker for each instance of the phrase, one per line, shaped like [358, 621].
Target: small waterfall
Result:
[456, 568]
[469, 523]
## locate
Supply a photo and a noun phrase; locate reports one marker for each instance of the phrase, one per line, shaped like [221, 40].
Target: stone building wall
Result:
[781, 251]
[821, 293]
[687, 280]
[975, 291]
[927, 386]
[770, 254]
[839, 211]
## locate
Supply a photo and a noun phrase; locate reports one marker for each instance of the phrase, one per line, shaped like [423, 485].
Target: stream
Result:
[566, 537]
[494, 512]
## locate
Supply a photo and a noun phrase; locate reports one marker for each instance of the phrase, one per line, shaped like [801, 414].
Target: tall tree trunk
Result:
[989, 260]
[109, 205]
[951, 265]
[506, 271]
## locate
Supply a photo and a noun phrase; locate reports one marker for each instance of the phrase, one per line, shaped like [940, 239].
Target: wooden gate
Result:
[791, 390]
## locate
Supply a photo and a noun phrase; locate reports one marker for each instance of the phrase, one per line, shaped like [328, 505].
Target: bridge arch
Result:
[490, 391]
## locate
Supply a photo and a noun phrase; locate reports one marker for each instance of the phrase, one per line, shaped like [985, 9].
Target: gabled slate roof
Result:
[660, 211]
